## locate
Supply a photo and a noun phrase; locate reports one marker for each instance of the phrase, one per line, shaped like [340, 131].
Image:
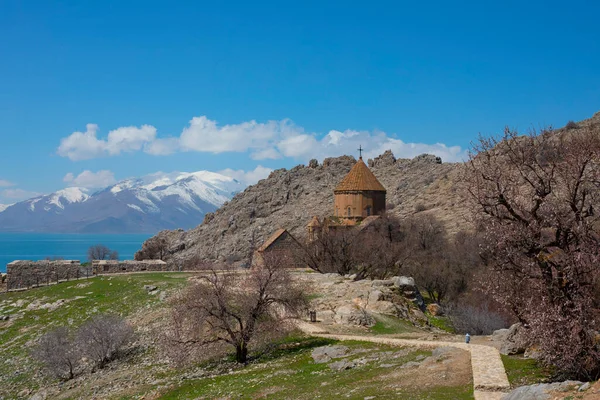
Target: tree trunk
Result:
[241, 353]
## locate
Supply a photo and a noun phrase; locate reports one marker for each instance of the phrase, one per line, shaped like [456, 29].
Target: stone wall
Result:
[100, 267]
[25, 274]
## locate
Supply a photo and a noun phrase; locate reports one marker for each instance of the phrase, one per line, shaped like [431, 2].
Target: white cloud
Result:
[248, 177]
[5, 183]
[18, 194]
[91, 180]
[85, 145]
[269, 140]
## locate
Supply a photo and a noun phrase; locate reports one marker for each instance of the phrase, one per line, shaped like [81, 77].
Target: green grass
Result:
[120, 294]
[442, 323]
[291, 373]
[524, 371]
[387, 325]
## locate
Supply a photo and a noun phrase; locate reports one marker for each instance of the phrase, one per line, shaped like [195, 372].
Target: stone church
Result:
[359, 199]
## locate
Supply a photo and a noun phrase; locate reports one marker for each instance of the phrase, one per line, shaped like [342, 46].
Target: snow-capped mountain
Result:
[141, 205]
[4, 207]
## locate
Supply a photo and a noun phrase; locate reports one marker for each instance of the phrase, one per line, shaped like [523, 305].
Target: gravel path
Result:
[489, 377]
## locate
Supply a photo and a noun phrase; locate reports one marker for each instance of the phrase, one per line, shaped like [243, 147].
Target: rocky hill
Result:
[289, 198]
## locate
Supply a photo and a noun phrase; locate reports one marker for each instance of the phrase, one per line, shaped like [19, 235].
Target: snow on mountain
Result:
[4, 206]
[68, 196]
[138, 205]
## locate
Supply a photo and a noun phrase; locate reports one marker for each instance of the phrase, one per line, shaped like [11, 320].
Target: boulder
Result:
[514, 341]
[402, 282]
[435, 309]
[541, 391]
[375, 296]
[324, 354]
[342, 365]
[353, 315]
[383, 307]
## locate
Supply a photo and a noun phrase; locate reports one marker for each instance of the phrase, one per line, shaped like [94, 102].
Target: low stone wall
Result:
[25, 274]
[100, 267]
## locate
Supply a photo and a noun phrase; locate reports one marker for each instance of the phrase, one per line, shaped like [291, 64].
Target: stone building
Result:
[359, 195]
[359, 199]
[281, 245]
[22, 274]
[100, 267]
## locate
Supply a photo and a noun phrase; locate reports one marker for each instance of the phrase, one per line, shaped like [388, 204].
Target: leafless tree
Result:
[534, 197]
[331, 251]
[155, 248]
[381, 249]
[58, 353]
[101, 252]
[475, 320]
[102, 337]
[231, 308]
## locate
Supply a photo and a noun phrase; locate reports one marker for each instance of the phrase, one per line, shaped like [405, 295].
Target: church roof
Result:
[278, 233]
[360, 178]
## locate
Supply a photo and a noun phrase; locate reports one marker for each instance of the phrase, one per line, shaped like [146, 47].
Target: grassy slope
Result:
[287, 373]
[524, 371]
[292, 374]
[122, 295]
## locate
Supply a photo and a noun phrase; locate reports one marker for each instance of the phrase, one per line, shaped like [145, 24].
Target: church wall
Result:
[358, 202]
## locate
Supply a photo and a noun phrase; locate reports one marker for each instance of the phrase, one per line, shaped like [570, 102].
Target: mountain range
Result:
[140, 205]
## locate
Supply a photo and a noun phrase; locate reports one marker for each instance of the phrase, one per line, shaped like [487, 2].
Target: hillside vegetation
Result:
[290, 368]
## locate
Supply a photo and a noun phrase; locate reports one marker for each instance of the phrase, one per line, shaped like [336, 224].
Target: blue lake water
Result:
[38, 246]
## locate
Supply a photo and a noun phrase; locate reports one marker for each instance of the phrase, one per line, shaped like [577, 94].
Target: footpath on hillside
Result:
[489, 377]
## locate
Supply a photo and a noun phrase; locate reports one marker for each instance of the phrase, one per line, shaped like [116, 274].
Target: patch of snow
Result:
[32, 203]
[136, 208]
[4, 206]
[149, 204]
[68, 195]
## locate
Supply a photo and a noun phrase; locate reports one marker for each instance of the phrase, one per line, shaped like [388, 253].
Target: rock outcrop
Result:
[289, 198]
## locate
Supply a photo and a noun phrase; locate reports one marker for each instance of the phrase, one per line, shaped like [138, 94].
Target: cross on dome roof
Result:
[360, 178]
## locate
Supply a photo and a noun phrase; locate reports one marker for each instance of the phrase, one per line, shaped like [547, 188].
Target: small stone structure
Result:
[25, 274]
[115, 266]
[281, 245]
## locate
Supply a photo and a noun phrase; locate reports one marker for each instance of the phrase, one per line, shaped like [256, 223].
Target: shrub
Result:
[103, 337]
[571, 125]
[58, 353]
[475, 320]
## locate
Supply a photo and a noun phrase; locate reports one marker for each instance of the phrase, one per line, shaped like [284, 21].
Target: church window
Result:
[368, 211]
[349, 212]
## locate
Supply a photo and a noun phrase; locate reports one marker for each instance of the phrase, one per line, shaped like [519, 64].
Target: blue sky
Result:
[247, 87]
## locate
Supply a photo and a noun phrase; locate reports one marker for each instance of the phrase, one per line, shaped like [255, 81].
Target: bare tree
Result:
[58, 353]
[534, 197]
[101, 252]
[237, 309]
[155, 248]
[331, 251]
[102, 337]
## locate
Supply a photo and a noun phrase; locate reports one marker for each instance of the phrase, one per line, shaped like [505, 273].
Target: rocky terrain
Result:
[289, 198]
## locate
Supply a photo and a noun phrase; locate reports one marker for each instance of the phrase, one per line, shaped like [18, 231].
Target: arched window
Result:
[349, 212]
[368, 211]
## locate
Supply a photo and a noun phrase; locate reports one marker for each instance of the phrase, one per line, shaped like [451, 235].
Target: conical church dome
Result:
[360, 178]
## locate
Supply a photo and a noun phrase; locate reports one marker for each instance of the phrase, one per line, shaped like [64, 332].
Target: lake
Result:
[38, 246]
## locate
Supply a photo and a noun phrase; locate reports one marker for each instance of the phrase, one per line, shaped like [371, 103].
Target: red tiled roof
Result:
[360, 178]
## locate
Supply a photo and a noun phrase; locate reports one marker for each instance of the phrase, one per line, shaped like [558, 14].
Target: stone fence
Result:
[25, 274]
[115, 266]
[22, 274]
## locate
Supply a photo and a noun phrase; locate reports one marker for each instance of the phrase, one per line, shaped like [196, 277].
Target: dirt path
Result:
[489, 377]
